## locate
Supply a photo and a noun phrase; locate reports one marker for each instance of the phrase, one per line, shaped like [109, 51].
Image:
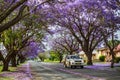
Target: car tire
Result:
[82, 67]
[71, 67]
[65, 66]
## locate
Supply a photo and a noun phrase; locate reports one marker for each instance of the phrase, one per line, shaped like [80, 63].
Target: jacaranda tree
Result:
[20, 9]
[84, 19]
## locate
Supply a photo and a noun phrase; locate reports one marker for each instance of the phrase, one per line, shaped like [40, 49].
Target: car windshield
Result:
[75, 57]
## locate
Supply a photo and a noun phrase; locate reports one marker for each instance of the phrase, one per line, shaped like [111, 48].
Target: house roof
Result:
[82, 52]
[118, 47]
[103, 48]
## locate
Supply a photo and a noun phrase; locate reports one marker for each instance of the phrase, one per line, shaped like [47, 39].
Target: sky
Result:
[118, 33]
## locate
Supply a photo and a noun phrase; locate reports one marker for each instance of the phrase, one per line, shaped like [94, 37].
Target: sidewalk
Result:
[104, 66]
[22, 73]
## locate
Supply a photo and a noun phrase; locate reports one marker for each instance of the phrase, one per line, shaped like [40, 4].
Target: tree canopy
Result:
[88, 22]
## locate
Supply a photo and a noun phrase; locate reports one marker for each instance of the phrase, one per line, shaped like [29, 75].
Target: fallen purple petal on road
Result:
[22, 73]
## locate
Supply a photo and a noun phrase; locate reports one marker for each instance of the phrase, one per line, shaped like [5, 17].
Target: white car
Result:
[73, 61]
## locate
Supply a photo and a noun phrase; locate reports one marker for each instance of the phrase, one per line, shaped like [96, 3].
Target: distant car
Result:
[73, 61]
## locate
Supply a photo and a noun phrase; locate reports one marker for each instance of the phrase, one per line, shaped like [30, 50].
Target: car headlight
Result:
[72, 61]
[82, 61]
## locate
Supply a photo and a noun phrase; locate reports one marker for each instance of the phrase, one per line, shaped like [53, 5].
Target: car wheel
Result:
[71, 66]
[82, 67]
[65, 66]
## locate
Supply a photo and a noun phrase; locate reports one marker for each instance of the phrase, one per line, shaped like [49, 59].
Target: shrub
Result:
[42, 56]
[54, 56]
[117, 59]
[102, 58]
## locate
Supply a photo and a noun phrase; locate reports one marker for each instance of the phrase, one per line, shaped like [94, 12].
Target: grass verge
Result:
[10, 68]
[46, 60]
[6, 78]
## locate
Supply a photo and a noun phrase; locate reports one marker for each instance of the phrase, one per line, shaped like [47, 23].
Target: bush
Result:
[117, 59]
[102, 58]
[54, 56]
[42, 56]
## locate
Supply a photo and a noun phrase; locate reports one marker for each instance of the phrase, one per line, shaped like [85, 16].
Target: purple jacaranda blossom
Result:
[32, 50]
[85, 19]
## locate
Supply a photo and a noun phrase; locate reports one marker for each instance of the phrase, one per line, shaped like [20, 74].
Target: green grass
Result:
[10, 68]
[0, 68]
[6, 78]
[47, 60]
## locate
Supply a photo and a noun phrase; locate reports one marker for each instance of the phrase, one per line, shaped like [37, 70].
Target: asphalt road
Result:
[56, 71]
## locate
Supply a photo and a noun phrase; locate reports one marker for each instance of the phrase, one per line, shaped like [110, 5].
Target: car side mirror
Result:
[68, 58]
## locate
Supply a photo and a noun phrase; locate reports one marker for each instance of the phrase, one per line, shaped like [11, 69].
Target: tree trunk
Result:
[13, 61]
[60, 57]
[18, 60]
[5, 66]
[22, 60]
[89, 59]
[71, 53]
[6, 62]
[113, 59]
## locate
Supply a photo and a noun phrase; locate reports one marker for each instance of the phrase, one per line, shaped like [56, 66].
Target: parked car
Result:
[73, 61]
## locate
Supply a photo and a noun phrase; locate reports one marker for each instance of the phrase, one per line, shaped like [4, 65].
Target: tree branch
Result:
[6, 13]
[15, 20]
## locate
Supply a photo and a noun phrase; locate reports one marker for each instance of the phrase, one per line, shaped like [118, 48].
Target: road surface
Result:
[56, 71]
